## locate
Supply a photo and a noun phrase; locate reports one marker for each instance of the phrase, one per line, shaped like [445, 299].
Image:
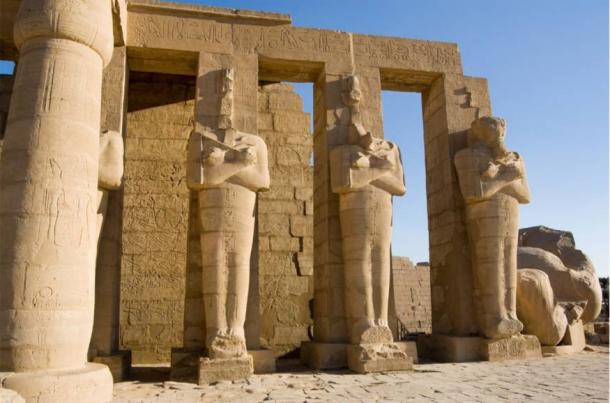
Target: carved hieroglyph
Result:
[48, 209]
[366, 173]
[226, 167]
[493, 183]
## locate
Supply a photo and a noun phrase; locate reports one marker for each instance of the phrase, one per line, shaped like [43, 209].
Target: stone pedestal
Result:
[185, 363]
[324, 355]
[224, 369]
[443, 348]
[513, 348]
[263, 361]
[365, 358]
[573, 341]
[92, 383]
[118, 364]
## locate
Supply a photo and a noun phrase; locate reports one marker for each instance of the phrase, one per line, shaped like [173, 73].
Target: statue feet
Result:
[367, 331]
[227, 345]
[502, 328]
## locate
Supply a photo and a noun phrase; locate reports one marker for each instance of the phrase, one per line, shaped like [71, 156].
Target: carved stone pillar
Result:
[48, 208]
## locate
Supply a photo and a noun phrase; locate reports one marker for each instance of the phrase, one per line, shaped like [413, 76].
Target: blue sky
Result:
[547, 66]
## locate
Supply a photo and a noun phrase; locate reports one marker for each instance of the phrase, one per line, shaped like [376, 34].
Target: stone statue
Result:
[110, 171]
[567, 292]
[493, 183]
[226, 167]
[366, 173]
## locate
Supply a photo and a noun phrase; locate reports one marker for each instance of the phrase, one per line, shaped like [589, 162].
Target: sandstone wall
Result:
[285, 216]
[155, 215]
[411, 291]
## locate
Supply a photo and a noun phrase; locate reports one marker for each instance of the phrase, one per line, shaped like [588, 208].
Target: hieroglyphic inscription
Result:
[180, 29]
[406, 51]
[250, 39]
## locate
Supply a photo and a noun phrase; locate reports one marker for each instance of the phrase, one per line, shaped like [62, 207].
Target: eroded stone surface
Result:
[564, 274]
[224, 369]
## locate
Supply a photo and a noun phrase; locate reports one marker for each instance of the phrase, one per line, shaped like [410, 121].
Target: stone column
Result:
[49, 201]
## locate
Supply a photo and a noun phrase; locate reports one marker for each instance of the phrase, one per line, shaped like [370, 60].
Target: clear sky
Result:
[547, 66]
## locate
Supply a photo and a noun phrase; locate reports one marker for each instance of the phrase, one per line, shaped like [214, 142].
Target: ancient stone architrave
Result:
[493, 183]
[50, 163]
[366, 173]
[227, 168]
[558, 289]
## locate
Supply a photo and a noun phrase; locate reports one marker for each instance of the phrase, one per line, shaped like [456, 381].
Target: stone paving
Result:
[578, 378]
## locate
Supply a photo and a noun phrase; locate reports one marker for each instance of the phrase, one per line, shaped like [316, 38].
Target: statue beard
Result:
[500, 150]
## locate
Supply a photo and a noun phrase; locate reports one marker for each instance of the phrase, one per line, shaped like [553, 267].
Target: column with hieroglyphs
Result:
[48, 206]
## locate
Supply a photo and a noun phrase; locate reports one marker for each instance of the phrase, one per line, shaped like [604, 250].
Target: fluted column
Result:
[48, 200]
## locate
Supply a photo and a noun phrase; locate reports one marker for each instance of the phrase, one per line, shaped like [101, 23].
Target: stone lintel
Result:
[234, 15]
[224, 369]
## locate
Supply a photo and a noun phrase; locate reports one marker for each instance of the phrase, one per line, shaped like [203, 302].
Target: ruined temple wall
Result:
[285, 213]
[411, 290]
[155, 215]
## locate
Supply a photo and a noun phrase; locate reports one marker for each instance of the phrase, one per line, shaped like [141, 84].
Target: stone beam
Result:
[154, 28]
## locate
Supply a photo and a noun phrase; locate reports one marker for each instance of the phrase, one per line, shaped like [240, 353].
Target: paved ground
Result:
[578, 378]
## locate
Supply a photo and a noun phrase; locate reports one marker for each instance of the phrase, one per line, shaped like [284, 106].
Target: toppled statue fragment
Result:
[566, 293]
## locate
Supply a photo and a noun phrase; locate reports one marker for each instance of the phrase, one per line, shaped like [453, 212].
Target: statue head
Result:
[488, 130]
[227, 84]
[352, 94]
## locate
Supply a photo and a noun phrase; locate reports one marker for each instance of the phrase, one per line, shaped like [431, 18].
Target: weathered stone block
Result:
[284, 100]
[305, 264]
[513, 348]
[444, 348]
[368, 358]
[227, 369]
[284, 244]
[301, 226]
[291, 122]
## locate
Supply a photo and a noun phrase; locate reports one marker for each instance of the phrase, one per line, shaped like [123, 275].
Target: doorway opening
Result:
[410, 311]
